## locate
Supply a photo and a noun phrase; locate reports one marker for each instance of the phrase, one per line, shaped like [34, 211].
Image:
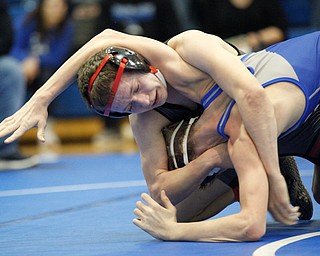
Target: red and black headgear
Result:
[125, 59]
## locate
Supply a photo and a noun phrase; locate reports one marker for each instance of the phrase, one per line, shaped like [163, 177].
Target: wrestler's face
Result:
[138, 93]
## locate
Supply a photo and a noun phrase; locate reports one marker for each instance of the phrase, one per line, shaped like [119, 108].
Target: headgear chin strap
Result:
[125, 59]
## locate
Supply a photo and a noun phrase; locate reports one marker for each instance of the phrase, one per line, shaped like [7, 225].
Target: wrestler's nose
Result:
[142, 100]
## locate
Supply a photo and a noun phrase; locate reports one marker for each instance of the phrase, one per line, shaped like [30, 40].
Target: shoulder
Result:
[193, 43]
[192, 35]
[151, 121]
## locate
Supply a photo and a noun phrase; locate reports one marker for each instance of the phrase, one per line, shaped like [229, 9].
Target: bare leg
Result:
[205, 203]
[316, 183]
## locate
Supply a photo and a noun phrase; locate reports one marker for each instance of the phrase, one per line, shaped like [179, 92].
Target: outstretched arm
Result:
[34, 112]
[161, 223]
[247, 225]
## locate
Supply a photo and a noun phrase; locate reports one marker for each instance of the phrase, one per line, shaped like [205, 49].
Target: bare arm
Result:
[228, 71]
[255, 107]
[211, 200]
[179, 183]
[34, 112]
[247, 225]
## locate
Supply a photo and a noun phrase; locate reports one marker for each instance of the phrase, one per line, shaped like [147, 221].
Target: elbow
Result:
[110, 34]
[157, 186]
[253, 230]
[251, 225]
[255, 97]
[107, 33]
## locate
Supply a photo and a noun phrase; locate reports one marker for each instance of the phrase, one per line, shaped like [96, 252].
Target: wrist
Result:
[41, 98]
[175, 233]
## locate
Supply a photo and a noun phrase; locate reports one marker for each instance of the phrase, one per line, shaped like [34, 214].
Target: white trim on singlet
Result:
[172, 144]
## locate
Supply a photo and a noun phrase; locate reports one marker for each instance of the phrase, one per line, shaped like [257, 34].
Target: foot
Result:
[299, 195]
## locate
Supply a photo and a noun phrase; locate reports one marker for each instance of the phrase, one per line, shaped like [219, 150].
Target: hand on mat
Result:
[33, 114]
[279, 202]
[157, 220]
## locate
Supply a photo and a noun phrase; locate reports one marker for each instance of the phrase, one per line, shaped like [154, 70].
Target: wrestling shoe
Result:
[298, 193]
[17, 161]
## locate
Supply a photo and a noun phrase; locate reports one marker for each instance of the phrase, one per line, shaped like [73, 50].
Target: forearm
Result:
[232, 228]
[210, 201]
[181, 182]
[247, 225]
[161, 222]
[259, 119]
[62, 78]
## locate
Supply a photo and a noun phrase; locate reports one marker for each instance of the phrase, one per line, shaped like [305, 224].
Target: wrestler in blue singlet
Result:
[276, 63]
[296, 60]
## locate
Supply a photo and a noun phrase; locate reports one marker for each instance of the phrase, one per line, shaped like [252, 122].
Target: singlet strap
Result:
[223, 120]
[210, 96]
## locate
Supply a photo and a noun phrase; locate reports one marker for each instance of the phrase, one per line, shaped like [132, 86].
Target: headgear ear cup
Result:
[135, 60]
[125, 59]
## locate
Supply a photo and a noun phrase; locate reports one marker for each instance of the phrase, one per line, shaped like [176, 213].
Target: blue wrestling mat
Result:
[83, 205]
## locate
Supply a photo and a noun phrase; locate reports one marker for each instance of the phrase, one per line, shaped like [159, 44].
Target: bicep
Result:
[219, 60]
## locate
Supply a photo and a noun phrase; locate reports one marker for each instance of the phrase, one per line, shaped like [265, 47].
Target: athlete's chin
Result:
[161, 98]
